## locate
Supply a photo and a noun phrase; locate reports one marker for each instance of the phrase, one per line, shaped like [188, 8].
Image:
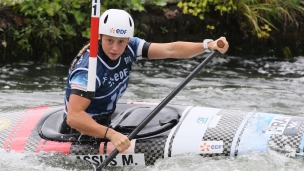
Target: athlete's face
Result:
[113, 47]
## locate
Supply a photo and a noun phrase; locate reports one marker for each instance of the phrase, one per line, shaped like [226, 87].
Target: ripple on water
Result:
[265, 85]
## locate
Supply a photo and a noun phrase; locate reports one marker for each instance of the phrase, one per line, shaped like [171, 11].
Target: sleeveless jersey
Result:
[111, 81]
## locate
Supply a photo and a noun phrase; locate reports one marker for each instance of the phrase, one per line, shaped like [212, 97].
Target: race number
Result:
[115, 97]
[95, 8]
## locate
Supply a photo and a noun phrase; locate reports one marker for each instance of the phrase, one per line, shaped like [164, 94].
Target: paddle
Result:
[114, 153]
[93, 47]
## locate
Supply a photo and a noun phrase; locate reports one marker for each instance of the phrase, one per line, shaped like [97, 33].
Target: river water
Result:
[228, 82]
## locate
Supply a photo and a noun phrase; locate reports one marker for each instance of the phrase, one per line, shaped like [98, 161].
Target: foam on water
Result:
[252, 161]
[262, 85]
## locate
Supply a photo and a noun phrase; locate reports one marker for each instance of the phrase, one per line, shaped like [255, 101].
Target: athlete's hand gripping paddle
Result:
[114, 153]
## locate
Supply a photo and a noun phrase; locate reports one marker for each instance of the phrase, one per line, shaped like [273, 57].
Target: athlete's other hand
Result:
[222, 50]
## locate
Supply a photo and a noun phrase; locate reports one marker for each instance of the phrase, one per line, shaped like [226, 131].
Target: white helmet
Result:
[116, 23]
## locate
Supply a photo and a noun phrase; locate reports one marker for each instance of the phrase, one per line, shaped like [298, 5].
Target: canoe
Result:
[175, 130]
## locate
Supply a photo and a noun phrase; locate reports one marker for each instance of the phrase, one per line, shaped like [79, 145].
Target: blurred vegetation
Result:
[257, 16]
[49, 30]
[270, 21]
[53, 31]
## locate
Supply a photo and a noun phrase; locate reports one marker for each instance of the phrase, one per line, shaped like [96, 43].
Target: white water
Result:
[264, 85]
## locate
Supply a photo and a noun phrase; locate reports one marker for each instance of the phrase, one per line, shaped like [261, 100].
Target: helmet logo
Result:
[118, 31]
[112, 30]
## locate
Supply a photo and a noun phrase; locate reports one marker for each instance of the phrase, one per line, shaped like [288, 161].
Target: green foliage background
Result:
[257, 16]
[50, 30]
[53, 31]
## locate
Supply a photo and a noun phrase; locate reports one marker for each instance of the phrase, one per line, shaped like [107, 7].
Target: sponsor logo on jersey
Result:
[128, 59]
[79, 60]
[121, 75]
[4, 123]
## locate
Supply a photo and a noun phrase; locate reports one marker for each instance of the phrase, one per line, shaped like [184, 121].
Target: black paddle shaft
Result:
[161, 105]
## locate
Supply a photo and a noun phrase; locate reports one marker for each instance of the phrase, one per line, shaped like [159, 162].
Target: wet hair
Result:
[83, 49]
[87, 46]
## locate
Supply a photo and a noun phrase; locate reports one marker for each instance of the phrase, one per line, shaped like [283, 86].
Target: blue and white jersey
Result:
[111, 79]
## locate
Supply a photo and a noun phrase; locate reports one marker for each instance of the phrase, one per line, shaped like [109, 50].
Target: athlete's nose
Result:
[115, 46]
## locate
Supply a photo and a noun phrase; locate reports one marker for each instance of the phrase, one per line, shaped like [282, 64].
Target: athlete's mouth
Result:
[114, 54]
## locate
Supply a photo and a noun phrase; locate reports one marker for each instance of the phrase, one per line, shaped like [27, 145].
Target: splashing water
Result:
[263, 85]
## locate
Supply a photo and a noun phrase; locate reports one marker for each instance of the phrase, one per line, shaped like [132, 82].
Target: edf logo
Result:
[216, 146]
[118, 31]
[208, 147]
